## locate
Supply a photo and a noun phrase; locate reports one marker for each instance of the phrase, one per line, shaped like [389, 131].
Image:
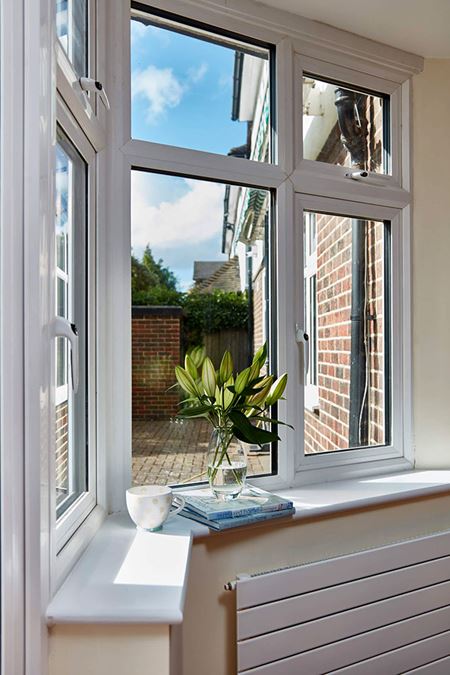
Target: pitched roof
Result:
[203, 269]
[225, 278]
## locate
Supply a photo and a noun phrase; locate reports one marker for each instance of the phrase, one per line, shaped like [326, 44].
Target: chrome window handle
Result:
[89, 84]
[64, 329]
[303, 339]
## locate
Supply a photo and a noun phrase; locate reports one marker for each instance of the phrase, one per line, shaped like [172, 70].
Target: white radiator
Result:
[378, 612]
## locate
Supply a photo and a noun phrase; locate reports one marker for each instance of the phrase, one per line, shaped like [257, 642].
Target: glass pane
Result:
[344, 126]
[198, 90]
[199, 277]
[71, 29]
[71, 289]
[347, 321]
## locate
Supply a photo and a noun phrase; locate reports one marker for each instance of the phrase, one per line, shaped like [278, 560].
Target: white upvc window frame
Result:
[396, 455]
[301, 46]
[71, 519]
[81, 118]
[310, 271]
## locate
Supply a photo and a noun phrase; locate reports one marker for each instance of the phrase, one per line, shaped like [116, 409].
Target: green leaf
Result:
[271, 420]
[245, 431]
[199, 411]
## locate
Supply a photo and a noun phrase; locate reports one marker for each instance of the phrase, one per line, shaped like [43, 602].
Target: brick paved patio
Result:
[174, 451]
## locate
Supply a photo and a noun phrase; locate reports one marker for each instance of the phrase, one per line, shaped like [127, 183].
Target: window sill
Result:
[127, 576]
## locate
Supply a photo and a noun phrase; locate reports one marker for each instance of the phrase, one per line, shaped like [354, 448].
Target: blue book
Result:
[229, 523]
[252, 501]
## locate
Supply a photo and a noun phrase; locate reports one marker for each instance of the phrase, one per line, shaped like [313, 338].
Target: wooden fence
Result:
[236, 341]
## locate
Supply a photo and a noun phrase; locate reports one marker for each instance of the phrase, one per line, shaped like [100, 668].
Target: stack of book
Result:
[253, 506]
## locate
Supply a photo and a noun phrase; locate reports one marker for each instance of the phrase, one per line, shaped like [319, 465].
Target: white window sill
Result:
[126, 576]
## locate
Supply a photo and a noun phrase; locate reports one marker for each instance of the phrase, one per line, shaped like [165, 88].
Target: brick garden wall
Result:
[62, 446]
[258, 308]
[156, 339]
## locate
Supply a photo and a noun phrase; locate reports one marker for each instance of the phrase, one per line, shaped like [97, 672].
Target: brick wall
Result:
[156, 334]
[62, 447]
[258, 308]
[327, 428]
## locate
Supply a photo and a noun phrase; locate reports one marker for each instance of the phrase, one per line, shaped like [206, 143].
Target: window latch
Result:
[64, 329]
[89, 84]
[365, 177]
[303, 339]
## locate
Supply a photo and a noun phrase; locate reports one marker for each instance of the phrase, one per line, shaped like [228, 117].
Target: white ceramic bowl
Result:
[149, 505]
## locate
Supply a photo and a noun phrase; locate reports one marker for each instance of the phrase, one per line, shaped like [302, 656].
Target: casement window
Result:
[77, 140]
[305, 206]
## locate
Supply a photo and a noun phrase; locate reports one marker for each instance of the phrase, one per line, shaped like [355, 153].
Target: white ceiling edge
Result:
[415, 26]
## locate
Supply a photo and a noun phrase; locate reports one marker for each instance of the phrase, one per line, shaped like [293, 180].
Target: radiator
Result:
[376, 612]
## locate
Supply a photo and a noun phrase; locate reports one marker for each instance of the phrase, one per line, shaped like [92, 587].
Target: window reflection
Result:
[344, 126]
[197, 90]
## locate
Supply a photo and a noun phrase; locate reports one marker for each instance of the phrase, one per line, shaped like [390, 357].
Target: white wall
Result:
[108, 650]
[431, 264]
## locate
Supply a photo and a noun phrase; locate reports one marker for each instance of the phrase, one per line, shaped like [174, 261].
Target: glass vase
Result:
[227, 464]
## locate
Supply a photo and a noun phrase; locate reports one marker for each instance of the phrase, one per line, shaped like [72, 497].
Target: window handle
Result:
[64, 329]
[303, 339]
[365, 177]
[89, 84]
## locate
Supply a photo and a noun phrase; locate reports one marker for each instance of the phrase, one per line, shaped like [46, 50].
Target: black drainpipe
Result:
[353, 127]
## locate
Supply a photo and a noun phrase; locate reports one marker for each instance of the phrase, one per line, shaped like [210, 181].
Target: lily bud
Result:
[185, 381]
[190, 367]
[260, 397]
[226, 367]
[261, 355]
[242, 380]
[277, 389]
[209, 377]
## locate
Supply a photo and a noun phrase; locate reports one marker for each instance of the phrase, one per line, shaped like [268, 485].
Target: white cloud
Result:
[197, 74]
[160, 87]
[196, 216]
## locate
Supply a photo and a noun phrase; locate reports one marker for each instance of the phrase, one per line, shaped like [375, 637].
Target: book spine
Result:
[283, 506]
[221, 515]
[249, 520]
[240, 513]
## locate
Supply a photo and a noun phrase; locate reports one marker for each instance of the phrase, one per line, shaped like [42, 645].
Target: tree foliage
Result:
[152, 283]
[148, 274]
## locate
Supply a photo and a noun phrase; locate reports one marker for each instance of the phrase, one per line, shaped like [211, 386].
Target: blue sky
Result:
[182, 91]
[181, 95]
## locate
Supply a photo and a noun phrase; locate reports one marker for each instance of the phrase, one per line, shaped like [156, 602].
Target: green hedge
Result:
[212, 312]
[203, 312]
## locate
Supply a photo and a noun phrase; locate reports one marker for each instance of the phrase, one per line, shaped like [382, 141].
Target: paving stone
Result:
[174, 451]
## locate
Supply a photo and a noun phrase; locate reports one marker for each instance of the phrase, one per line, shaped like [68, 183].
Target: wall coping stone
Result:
[138, 311]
